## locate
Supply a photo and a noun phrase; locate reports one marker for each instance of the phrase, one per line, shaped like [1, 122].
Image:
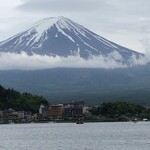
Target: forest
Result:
[120, 111]
[9, 98]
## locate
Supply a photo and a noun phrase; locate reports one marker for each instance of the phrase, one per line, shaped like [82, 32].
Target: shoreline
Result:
[40, 122]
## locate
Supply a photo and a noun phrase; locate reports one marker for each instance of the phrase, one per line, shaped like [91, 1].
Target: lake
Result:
[70, 136]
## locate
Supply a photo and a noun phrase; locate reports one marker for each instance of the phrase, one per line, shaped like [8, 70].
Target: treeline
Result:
[121, 111]
[9, 98]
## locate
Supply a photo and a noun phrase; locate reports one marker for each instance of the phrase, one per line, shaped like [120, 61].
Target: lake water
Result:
[70, 136]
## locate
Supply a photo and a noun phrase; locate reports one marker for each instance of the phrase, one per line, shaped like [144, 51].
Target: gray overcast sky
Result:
[126, 22]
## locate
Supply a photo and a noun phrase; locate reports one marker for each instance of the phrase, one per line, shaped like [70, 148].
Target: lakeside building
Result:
[24, 116]
[56, 111]
[21, 114]
[11, 114]
[44, 111]
[73, 109]
[86, 110]
[28, 116]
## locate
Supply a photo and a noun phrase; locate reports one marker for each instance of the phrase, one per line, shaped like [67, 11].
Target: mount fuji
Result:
[63, 37]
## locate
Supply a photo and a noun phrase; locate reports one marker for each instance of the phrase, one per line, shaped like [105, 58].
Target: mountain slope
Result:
[61, 36]
[92, 85]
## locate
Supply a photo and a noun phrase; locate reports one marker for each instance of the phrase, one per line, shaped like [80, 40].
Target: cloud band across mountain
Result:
[34, 62]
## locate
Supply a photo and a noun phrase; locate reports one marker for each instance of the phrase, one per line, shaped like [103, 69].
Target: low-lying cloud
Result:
[25, 62]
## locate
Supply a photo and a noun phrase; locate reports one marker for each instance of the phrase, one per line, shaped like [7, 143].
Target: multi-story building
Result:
[56, 110]
[73, 109]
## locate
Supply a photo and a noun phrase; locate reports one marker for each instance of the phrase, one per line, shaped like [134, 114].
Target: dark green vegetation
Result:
[91, 85]
[10, 98]
[120, 111]
[106, 111]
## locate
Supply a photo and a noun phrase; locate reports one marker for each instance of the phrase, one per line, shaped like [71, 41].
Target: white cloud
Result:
[25, 62]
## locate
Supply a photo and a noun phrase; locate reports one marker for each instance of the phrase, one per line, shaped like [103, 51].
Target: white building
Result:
[86, 110]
